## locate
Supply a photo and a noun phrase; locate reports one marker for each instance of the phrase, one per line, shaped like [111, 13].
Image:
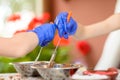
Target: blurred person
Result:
[81, 32]
[111, 48]
[22, 43]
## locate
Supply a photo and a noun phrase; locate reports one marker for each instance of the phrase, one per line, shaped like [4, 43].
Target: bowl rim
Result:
[12, 63]
[75, 66]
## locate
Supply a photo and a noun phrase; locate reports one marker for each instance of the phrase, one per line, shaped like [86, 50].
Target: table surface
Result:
[17, 76]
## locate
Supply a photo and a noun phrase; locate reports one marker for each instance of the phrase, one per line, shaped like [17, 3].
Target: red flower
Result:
[35, 22]
[13, 17]
[38, 21]
[63, 42]
[45, 17]
[83, 47]
[19, 31]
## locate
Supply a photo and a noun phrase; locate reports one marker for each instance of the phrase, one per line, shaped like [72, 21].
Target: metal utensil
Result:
[51, 63]
[54, 54]
[36, 59]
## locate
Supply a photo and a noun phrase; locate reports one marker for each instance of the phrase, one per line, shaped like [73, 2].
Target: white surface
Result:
[89, 77]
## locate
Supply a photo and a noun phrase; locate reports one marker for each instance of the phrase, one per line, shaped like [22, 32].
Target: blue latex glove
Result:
[45, 33]
[64, 27]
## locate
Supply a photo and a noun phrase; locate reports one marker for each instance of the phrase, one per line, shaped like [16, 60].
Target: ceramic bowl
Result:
[57, 72]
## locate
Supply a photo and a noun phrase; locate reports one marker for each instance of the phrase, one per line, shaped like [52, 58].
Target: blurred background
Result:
[21, 15]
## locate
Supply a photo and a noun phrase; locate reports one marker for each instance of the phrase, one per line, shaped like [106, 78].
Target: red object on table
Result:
[111, 72]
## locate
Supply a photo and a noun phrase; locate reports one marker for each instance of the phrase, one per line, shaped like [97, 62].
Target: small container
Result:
[24, 68]
[57, 72]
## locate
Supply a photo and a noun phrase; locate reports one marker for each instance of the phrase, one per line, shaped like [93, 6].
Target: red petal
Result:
[19, 31]
[63, 42]
[83, 47]
[13, 17]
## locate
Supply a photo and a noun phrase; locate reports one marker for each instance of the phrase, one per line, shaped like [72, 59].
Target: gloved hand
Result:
[45, 33]
[64, 27]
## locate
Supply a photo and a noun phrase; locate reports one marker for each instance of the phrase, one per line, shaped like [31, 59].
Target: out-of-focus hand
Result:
[65, 28]
[45, 33]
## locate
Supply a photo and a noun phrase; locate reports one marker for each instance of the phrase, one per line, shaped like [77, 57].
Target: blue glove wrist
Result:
[45, 33]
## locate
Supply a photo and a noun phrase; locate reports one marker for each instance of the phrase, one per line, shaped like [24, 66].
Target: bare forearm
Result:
[97, 29]
[19, 45]
[89, 31]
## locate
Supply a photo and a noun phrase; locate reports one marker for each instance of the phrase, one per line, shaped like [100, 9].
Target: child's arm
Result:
[19, 45]
[110, 24]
